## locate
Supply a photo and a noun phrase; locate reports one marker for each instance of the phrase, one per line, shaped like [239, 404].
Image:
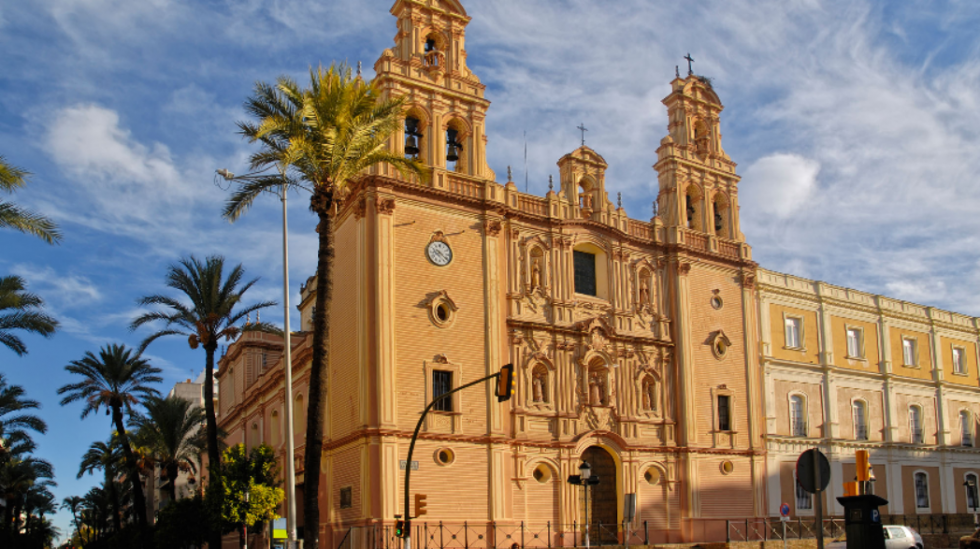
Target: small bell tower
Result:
[446, 115]
[698, 184]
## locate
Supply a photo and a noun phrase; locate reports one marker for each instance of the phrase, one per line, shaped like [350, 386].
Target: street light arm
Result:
[418, 427]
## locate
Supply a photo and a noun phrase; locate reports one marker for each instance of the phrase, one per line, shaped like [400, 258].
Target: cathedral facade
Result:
[634, 341]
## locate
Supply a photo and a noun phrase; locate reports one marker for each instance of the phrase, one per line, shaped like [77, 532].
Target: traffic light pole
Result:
[411, 449]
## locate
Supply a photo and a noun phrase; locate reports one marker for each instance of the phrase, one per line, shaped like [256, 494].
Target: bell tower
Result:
[446, 115]
[698, 184]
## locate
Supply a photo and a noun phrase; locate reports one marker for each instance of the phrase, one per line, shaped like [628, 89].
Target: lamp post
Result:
[585, 473]
[287, 358]
[971, 497]
[245, 522]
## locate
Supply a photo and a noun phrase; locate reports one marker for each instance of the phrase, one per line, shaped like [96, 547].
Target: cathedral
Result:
[643, 347]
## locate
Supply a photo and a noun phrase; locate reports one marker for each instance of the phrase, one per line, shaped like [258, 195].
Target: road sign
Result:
[784, 510]
[812, 462]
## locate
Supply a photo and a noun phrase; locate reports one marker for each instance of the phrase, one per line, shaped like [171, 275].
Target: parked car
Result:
[899, 537]
[970, 542]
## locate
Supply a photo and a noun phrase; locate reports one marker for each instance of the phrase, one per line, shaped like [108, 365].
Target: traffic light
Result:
[505, 383]
[403, 528]
[420, 505]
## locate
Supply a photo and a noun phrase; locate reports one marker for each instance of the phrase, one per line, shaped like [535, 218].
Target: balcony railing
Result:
[799, 428]
[860, 432]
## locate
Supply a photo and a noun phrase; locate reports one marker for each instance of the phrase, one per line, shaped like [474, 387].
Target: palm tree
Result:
[18, 476]
[328, 136]
[171, 429]
[19, 311]
[116, 379]
[14, 423]
[214, 312]
[14, 217]
[107, 457]
[72, 504]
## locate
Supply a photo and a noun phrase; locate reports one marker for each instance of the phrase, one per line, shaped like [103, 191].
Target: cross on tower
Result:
[583, 129]
[690, 66]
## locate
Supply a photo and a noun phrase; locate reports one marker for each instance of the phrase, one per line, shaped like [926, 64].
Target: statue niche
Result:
[539, 384]
[650, 395]
[598, 384]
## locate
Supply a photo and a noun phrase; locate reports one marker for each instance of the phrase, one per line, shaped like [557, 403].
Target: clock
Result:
[439, 253]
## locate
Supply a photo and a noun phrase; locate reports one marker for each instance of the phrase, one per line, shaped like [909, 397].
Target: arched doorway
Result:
[604, 504]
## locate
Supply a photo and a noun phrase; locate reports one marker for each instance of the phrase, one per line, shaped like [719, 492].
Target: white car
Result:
[896, 537]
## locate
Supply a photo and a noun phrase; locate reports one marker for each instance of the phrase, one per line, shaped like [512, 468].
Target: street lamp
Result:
[287, 358]
[245, 521]
[971, 497]
[585, 479]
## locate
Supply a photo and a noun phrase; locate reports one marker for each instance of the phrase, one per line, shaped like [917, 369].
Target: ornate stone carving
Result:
[385, 206]
[360, 209]
[683, 268]
[600, 419]
[748, 281]
[492, 227]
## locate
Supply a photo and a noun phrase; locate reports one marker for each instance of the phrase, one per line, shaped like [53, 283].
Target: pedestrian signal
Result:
[420, 505]
[505, 383]
[402, 528]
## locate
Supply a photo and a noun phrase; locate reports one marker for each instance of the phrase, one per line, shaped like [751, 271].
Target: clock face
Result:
[439, 253]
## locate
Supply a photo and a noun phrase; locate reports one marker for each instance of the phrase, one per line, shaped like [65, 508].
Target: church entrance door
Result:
[603, 508]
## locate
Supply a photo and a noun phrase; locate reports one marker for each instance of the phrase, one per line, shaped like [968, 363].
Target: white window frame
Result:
[914, 363]
[959, 366]
[802, 418]
[966, 429]
[859, 354]
[915, 424]
[798, 497]
[796, 321]
[915, 489]
[863, 405]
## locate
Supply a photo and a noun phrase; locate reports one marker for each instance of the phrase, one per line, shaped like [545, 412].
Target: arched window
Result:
[966, 428]
[702, 137]
[719, 209]
[860, 412]
[455, 152]
[797, 415]
[692, 208]
[255, 436]
[804, 500]
[275, 428]
[921, 491]
[915, 424]
[972, 499]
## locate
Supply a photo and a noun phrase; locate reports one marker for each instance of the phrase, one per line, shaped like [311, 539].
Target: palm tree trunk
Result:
[114, 499]
[139, 501]
[214, 456]
[172, 477]
[321, 202]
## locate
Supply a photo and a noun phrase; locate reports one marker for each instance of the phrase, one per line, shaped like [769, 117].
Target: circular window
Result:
[652, 476]
[727, 467]
[442, 312]
[716, 302]
[445, 456]
[542, 473]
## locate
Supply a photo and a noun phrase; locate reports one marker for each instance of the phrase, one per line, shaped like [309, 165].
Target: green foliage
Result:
[19, 219]
[21, 310]
[183, 523]
[255, 473]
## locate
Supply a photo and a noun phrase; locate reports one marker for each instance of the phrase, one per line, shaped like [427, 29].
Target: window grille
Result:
[724, 413]
[804, 499]
[442, 383]
[585, 279]
[966, 428]
[915, 424]
[797, 416]
[971, 492]
[860, 421]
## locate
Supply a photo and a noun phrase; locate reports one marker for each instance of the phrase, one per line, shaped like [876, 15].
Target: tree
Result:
[73, 504]
[115, 379]
[14, 217]
[107, 457]
[183, 523]
[255, 473]
[171, 429]
[19, 476]
[19, 310]
[214, 312]
[327, 135]
[14, 423]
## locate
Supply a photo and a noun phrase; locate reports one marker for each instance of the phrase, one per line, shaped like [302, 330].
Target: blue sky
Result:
[856, 126]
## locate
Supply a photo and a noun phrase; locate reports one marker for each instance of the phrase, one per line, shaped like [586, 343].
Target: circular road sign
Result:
[810, 460]
[784, 509]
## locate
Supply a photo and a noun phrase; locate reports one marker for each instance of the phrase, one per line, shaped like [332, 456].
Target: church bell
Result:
[452, 153]
[412, 136]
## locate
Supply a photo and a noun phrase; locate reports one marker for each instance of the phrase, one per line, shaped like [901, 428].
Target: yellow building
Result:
[846, 370]
[635, 341]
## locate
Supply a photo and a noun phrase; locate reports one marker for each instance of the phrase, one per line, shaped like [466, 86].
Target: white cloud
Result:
[63, 291]
[779, 184]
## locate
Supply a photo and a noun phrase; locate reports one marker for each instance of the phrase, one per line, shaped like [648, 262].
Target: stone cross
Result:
[690, 66]
[583, 129]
